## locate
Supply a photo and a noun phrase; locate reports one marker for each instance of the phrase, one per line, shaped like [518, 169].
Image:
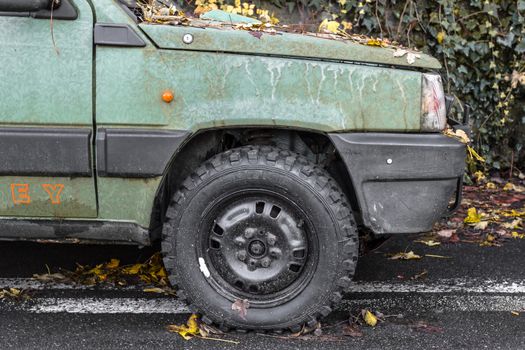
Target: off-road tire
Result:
[304, 183]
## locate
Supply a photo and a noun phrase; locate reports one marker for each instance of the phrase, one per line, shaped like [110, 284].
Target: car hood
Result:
[229, 40]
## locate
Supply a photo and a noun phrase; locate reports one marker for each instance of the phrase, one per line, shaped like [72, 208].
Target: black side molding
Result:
[74, 231]
[136, 153]
[45, 152]
[116, 34]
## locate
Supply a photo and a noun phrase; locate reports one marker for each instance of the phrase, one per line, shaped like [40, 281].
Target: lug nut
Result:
[241, 255]
[265, 262]
[239, 241]
[275, 253]
[249, 233]
[270, 239]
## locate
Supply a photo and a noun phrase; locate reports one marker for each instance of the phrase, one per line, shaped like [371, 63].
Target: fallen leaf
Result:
[517, 235]
[242, 307]
[256, 34]
[472, 216]
[405, 256]
[419, 275]
[352, 330]
[446, 233]
[514, 224]
[188, 330]
[508, 187]
[490, 186]
[426, 328]
[515, 313]
[480, 177]
[369, 318]
[482, 225]
[374, 42]
[430, 243]
[50, 277]
[438, 256]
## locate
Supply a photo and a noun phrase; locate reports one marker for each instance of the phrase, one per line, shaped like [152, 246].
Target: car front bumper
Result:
[403, 183]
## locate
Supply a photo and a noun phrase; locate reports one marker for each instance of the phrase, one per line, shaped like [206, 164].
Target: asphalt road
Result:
[463, 301]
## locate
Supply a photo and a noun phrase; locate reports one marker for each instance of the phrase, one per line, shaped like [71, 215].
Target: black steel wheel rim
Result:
[258, 245]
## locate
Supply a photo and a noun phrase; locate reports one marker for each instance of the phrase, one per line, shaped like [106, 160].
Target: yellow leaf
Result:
[370, 318]
[132, 270]
[405, 256]
[113, 264]
[440, 37]
[508, 187]
[374, 42]
[329, 26]
[479, 176]
[490, 186]
[474, 155]
[517, 235]
[430, 243]
[153, 290]
[472, 216]
[187, 331]
[515, 313]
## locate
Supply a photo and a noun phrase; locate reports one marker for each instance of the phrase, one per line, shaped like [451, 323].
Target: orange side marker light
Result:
[167, 96]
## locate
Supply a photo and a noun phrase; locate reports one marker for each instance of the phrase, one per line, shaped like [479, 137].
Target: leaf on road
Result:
[482, 225]
[514, 224]
[515, 313]
[437, 256]
[430, 242]
[472, 216]
[352, 330]
[517, 235]
[241, 306]
[490, 186]
[424, 327]
[405, 256]
[446, 233]
[50, 277]
[188, 330]
[369, 318]
[14, 294]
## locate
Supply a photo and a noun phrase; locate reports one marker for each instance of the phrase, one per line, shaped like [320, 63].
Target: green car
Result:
[253, 159]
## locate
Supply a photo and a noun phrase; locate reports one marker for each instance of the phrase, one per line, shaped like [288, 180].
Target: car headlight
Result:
[433, 109]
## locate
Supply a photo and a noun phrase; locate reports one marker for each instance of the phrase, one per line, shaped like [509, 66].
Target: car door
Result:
[46, 113]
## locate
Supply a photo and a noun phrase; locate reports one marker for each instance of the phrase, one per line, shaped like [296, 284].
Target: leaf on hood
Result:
[400, 53]
[405, 256]
[329, 26]
[411, 57]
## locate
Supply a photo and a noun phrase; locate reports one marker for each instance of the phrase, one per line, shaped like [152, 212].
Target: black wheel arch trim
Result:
[403, 182]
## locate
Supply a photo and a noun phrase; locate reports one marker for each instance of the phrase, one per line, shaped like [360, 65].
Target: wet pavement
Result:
[471, 297]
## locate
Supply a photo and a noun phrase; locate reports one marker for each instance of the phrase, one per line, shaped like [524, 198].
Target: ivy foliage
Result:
[480, 43]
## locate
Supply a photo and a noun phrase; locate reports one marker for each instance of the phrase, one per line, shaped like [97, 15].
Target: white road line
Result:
[460, 294]
[106, 306]
[453, 285]
[388, 304]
